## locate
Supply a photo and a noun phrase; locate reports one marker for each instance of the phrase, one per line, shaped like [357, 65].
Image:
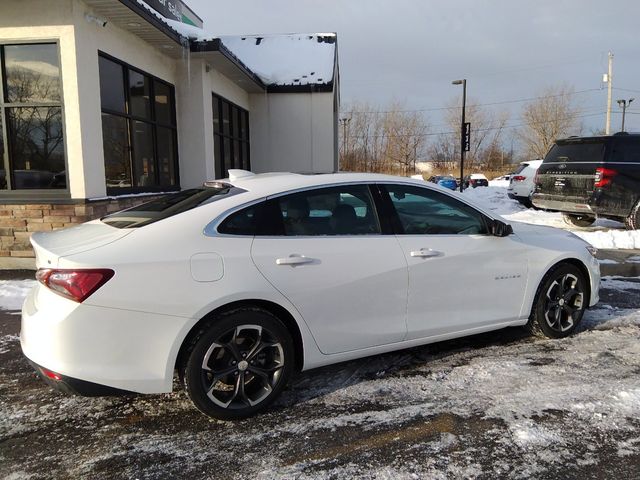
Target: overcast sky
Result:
[506, 49]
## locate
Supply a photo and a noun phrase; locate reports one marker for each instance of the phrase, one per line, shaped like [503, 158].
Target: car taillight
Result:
[76, 285]
[519, 178]
[603, 176]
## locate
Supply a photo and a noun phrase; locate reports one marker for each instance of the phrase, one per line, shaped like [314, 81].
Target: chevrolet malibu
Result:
[238, 284]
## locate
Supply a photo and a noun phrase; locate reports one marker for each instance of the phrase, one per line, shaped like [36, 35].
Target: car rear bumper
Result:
[106, 347]
[75, 386]
[562, 203]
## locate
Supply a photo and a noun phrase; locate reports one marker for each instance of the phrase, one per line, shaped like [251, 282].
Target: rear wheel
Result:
[578, 219]
[632, 222]
[238, 364]
[560, 302]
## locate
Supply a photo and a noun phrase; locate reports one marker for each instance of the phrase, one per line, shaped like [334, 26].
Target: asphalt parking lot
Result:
[498, 405]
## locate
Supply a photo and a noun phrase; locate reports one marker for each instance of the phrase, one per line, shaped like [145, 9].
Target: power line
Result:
[504, 102]
[457, 132]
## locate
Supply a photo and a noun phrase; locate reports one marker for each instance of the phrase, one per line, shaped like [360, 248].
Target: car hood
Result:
[527, 230]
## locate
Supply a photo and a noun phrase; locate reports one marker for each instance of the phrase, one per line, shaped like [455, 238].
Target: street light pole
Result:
[462, 82]
[624, 104]
[345, 123]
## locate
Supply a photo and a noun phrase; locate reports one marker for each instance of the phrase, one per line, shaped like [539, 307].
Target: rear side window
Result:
[625, 150]
[242, 222]
[576, 152]
[342, 210]
[168, 206]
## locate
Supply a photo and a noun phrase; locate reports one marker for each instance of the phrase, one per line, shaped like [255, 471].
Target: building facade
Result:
[108, 103]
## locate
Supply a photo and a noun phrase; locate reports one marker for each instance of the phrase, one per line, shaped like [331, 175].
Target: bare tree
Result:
[553, 115]
[487, 128]
[390, 140]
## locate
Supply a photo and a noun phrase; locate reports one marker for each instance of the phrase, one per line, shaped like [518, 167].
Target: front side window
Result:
[31, 118]
[230, 136]
[138, 129]
[421, 211]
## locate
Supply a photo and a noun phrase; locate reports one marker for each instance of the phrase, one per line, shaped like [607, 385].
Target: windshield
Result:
[168, 206]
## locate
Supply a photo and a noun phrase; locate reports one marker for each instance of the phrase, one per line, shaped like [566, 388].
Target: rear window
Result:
[576, 152]
[168, 206]
[520, 168]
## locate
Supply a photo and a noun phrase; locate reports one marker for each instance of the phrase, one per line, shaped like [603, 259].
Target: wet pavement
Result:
[496, 405]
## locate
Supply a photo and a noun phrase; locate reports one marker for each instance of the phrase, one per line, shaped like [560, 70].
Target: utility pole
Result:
[609, 90]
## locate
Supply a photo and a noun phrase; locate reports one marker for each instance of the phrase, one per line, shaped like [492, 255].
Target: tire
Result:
[632, 222]
[560, 302]
[578, 219]
[238, 364]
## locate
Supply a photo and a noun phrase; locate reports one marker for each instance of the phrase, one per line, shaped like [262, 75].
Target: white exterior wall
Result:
[195, 119]
[293, 132]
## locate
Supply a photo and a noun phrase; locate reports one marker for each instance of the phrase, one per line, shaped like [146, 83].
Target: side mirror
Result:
[500, 229]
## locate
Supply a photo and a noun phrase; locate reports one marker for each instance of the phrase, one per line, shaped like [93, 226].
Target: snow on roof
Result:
[291, 59]
[286, 59]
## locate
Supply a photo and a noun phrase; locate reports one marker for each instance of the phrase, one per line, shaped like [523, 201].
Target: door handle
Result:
[426, 253]
[294, 260]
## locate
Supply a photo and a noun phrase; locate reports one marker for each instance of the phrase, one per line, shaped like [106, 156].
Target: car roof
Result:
[264, 184]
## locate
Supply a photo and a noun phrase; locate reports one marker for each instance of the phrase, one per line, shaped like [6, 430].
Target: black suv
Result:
[590, 177]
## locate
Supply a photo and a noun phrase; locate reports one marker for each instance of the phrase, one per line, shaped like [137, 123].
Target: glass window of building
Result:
[230, 136]
[138, 129]
[31, 118]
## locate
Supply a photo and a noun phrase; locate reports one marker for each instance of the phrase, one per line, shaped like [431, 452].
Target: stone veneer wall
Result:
[18, 222]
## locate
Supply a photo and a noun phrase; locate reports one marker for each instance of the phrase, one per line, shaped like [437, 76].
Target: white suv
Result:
[522, 182]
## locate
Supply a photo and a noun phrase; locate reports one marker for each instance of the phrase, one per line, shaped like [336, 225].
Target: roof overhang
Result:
[129, 15]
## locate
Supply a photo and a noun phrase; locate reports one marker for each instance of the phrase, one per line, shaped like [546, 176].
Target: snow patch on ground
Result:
[13, 293]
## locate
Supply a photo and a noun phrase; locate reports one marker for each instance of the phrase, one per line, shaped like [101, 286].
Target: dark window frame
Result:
[153, 122]
[5, 157]
[217, 103]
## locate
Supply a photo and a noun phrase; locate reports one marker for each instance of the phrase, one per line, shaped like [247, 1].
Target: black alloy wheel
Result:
[560, 302]
[239, 364]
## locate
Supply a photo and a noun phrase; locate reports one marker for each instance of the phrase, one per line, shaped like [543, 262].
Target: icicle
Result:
[186, 57]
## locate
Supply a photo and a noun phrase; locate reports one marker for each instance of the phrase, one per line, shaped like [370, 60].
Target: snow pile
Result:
[622, 239]
[13, 293]
[499, 183]
[493, 198]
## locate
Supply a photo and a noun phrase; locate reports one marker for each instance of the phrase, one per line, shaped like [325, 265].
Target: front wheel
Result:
[238, 364]
[578, 219]
[560, 302]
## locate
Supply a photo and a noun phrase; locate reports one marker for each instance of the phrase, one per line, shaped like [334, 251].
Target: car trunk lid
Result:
[569, 169]
[51, 246]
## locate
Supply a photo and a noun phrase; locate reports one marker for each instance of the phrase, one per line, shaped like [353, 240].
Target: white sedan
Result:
[240, 283]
